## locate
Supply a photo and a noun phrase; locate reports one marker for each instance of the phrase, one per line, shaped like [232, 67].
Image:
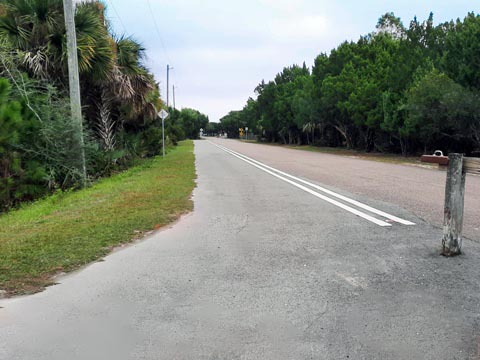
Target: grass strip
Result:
[68, 230]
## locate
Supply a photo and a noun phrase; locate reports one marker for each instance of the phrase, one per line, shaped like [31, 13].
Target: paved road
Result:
[419, 190]
[262, 269]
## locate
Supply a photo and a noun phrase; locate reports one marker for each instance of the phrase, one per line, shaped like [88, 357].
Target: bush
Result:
[21, 178]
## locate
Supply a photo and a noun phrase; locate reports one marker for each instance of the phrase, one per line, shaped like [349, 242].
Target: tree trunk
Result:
[404, 146]
[344, 133]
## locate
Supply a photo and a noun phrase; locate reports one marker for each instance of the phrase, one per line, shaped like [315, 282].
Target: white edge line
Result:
[344, 198]
[314, 193]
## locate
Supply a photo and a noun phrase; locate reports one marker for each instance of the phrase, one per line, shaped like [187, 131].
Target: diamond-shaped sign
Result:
[163, 114]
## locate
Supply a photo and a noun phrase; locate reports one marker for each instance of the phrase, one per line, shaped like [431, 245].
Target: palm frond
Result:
[105, 125]
[37, 62]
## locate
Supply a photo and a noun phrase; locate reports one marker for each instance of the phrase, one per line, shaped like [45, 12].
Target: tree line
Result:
[120, 100]
[402, 89]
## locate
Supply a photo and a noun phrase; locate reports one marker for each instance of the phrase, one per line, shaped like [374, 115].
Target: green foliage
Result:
[21, 177]
[401, 89]
[436, 106]
[70, 229]
[461, 49]
[274, 115]
[185, 124]
[120, 101]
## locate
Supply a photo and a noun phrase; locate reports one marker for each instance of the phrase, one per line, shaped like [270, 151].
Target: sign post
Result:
[163, 115]
[246, 132]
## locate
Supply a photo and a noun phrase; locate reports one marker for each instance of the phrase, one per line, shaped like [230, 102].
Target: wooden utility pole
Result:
[174, 97]
[454, 201]
[74, 82]
[168, 84]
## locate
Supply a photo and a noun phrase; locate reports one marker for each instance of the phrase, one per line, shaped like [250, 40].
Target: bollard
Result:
[454, 200]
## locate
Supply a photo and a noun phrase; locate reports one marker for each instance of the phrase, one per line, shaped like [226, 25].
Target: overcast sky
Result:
[221, 49]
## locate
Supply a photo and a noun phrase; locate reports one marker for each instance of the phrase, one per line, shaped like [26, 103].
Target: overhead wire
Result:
[155, 23]
[118, 16]
[158, 32]
[160, 38]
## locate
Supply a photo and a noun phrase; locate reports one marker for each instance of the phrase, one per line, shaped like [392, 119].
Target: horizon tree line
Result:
[400, 89]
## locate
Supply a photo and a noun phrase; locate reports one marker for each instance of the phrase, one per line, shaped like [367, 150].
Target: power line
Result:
[158, 31]
[155, 25]
[118, 16]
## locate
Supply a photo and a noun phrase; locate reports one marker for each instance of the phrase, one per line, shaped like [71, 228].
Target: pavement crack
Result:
[242, 226]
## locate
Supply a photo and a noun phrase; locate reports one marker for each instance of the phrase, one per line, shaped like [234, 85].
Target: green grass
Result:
[68, 230]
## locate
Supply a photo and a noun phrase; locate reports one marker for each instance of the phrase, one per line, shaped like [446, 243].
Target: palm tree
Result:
[128, 95]
[116, 87]
[130, 55]
[36, 30]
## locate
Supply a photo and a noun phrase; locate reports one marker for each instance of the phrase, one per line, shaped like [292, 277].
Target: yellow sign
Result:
[241, 131]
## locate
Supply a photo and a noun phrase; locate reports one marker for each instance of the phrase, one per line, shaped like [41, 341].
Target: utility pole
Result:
[168, 84]
[74, 82]
[174, 97]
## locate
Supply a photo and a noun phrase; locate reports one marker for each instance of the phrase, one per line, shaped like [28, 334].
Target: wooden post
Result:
[454, 199]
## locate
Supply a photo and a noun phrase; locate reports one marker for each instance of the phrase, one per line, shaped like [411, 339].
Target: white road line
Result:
[329, 192]
[314, 193]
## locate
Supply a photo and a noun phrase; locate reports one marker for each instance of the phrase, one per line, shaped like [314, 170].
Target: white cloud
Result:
[222, 49]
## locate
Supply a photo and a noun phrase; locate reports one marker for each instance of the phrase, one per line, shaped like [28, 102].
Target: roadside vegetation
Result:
[400, 89]
[120, 100]
[70, 229]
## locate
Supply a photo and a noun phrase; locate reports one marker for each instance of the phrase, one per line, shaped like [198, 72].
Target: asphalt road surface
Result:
[421, 191]
[266, 267]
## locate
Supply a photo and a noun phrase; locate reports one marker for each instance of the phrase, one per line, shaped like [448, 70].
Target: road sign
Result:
[163, 114]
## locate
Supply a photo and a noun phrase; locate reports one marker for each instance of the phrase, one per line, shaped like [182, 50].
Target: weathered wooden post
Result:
[454, 200]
